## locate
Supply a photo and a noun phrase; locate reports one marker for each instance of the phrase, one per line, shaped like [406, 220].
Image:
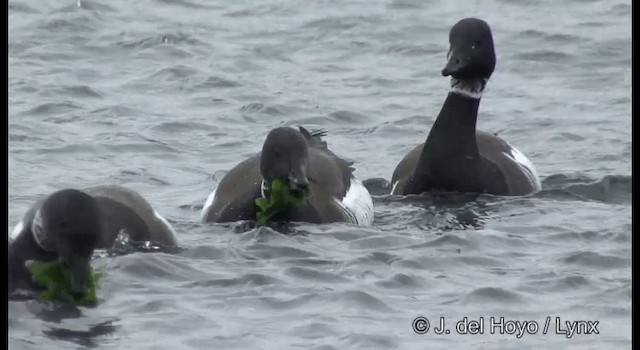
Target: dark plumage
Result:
[70, 224]
[456, 157]
[302, 159]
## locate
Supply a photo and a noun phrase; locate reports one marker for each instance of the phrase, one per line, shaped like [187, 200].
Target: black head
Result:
[285, 154]
[471, 52]
[68, 224]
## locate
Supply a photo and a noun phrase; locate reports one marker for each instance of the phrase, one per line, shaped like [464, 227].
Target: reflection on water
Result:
[89, 338]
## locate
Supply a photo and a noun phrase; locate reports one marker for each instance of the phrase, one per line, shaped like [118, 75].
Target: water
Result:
[164, 96]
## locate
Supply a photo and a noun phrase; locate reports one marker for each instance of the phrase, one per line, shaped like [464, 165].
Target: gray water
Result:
[165, 96]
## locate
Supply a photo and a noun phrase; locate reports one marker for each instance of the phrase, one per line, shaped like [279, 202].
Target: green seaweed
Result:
[52, 276]
[282, 198]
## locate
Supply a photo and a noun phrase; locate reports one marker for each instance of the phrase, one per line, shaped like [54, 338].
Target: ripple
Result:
[25, 138]
[369, 341]
[446, 240]
[333, 23]
[559, 284]
[408, 4]
[215, 82]
[621, 9]
[80, 24]
[81, 91]
[142, 176]
[363, 301]
[309, 262]
[314, 275]
[619, 234]
[274, 110]
[545, 56]
[375, 258]
[173, 73]
[376, 242]
[53, 108]
[593, 259]
[259, 10]
[622, 291]
[86, 5]
[85, 338]
[414, 50]
[295, 303]
[480, 261]
[269, 251]
[246, 280]
[23, 133]
[559, 38]
[611, 189]
[142, 147]
[183, 126]
[421, 263]
[153, 265]
[592, 24]
[402, 281]
[116, 111]
[348, 117]
[315, 330]
[252, 107]
[17, 7]
[330, 68]
[160, 39]
[491, 295]
[187, 4]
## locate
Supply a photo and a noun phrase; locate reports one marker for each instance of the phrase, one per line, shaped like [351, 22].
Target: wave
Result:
[614, 189]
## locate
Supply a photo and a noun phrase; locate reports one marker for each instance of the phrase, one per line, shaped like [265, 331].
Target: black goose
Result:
[456, 157]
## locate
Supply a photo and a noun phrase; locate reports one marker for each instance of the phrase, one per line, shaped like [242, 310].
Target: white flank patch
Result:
[37, 230]
[165, 222]
[526, 165]
[16, 230]
[358, 203]
[395, 184]
[207, 204]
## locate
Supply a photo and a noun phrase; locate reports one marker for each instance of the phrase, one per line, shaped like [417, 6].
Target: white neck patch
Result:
[263, 189]
[38, 231]
[472, 88]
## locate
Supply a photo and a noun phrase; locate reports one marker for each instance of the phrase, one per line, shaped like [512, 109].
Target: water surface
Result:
[165, 96]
